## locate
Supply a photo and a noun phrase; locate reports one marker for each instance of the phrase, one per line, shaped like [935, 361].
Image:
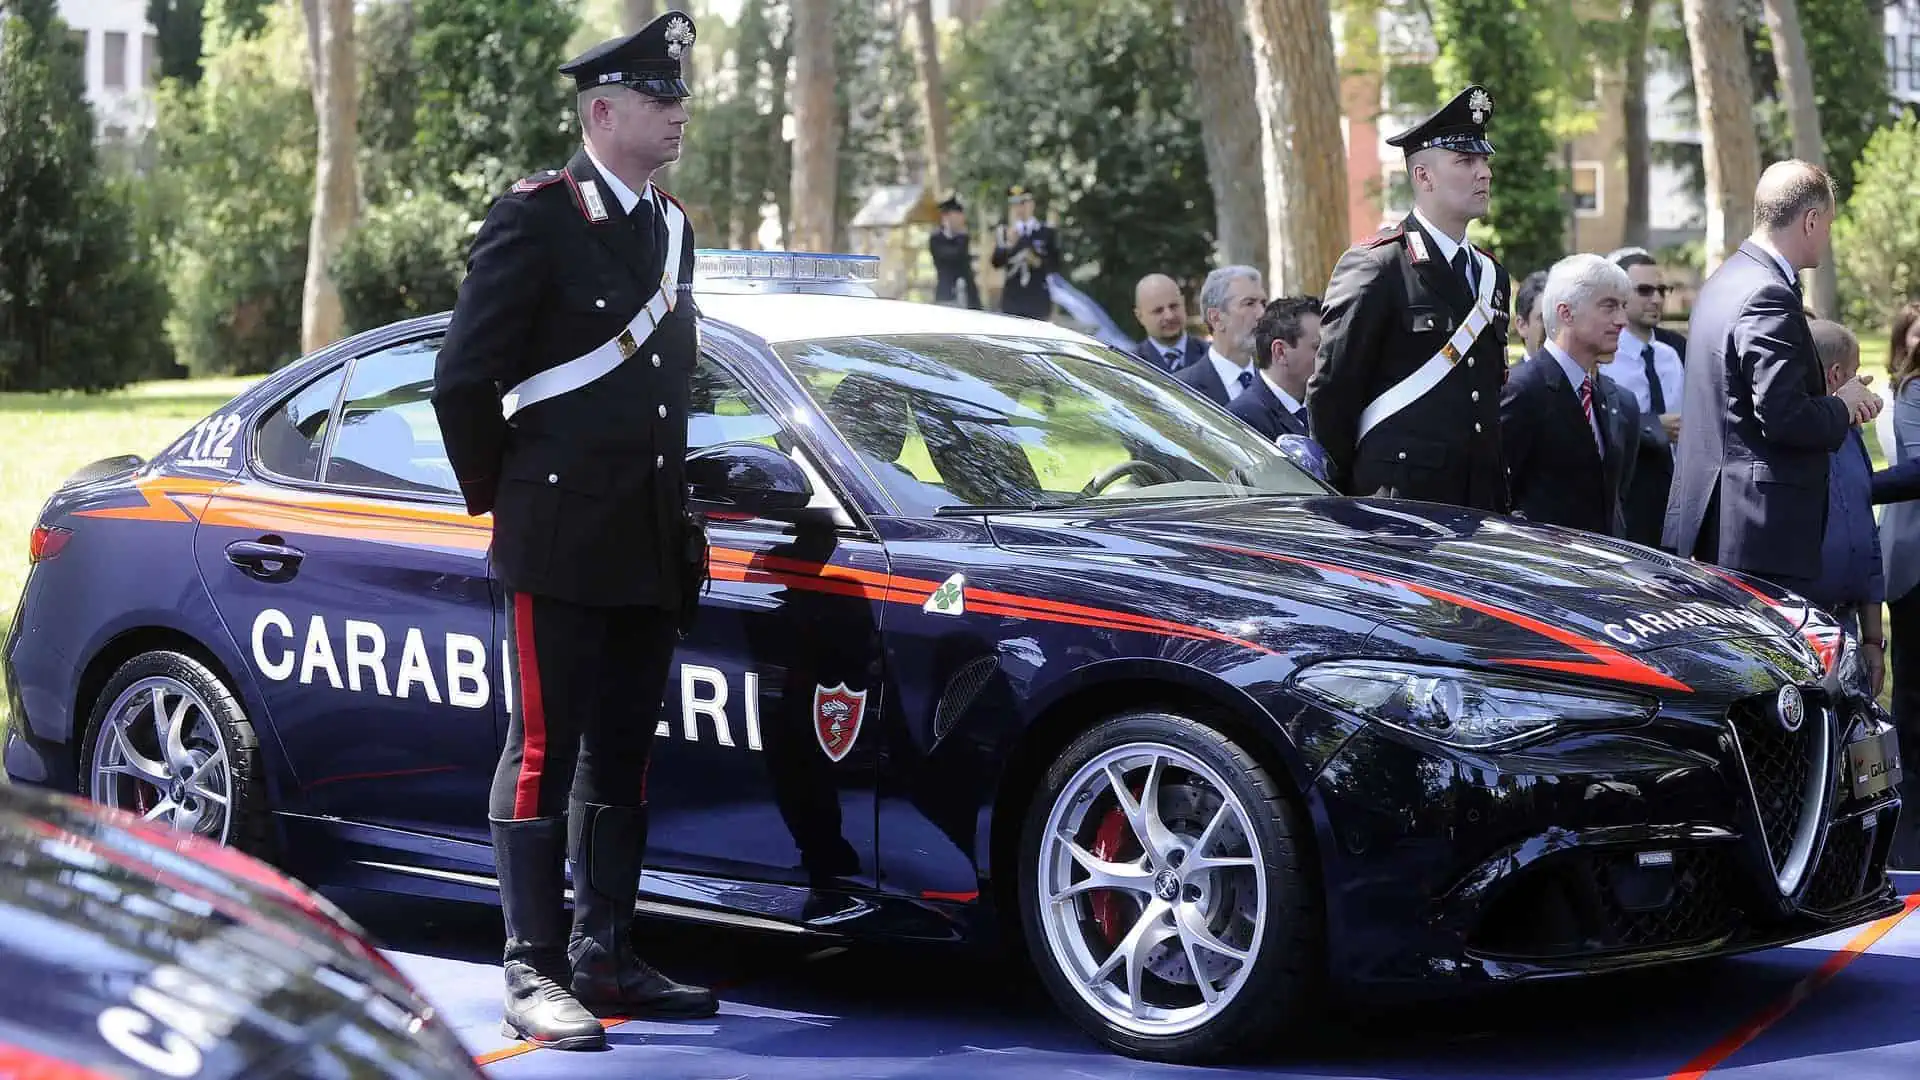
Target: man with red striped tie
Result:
[562, 394]
[1563, 468]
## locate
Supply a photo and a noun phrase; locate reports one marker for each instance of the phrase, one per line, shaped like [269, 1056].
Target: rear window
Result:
[291, 438]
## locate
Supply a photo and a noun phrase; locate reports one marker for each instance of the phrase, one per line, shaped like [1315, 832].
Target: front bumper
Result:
[1712, 830]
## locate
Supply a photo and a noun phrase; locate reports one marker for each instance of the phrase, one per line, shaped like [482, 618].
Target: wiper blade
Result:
[966, 509]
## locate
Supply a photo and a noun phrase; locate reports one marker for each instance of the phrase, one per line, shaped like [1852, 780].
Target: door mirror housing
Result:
[746, 477]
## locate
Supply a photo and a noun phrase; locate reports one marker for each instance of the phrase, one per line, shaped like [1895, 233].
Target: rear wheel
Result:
[168, 741]
[1166, 901]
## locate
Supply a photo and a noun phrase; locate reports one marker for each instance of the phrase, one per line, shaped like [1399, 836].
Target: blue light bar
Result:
[723, 270]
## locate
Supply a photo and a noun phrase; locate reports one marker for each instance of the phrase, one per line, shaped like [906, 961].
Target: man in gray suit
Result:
[1750, 487]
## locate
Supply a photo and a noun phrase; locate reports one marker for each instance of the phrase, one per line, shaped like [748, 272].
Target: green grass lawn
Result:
[44, 438]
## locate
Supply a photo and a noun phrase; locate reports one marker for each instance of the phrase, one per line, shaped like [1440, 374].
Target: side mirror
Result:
[746, 477]
[1305, 453]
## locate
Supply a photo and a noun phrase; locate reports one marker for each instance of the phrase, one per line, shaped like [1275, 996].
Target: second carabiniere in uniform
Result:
[562, 393]
[1406, 396]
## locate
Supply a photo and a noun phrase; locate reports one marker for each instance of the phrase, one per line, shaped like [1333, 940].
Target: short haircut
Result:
[1835, 343]
[1527, 299]
[1213, 293]
[1632, 257]
[1577, 281]
[1282, 321]
[1787, 190]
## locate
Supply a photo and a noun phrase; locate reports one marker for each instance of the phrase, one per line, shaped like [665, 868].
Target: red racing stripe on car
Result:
[533, 716]
[1606, 661]
[1827, 648]
[19, 1063]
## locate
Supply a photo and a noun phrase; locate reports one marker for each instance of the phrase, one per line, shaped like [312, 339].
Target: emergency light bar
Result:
[722, 270]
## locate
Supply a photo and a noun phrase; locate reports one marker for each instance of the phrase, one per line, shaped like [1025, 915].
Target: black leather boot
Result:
[531, 855]
[608, 843]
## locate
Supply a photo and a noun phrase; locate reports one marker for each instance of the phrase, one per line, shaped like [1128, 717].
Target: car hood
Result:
[131, 947]
[1441, 579]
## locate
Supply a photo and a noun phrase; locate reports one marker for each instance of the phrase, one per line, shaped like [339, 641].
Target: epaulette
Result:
[1387, 235]
[670, 198]
[536, 181]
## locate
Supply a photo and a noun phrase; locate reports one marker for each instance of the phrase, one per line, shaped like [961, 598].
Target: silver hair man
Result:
[1579, 280]
[1213, 292]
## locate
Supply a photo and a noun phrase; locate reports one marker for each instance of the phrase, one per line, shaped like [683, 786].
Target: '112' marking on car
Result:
[704, 691]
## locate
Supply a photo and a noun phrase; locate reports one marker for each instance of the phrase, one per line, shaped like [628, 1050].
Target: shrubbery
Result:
[1876, 241]
[405, 258]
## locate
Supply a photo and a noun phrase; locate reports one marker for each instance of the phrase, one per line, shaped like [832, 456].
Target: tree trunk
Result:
[1638, 227]
[933, 96]
[1723, 91]
[816, 132]
[1303, 158]
[635, 14]
[336, 186]
[1222, 61]
[1796, 80]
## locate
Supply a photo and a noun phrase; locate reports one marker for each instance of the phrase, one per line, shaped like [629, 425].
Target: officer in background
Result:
[1028, 249]
[562, 392]
[952, 253]
[1406, 396]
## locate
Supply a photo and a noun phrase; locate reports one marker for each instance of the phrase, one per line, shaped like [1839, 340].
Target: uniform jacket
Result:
[587, 489]
[1390, 305]
[1264, 412]
[1025, 291]
[1760, 425]
[952, 266]
[1555, 472]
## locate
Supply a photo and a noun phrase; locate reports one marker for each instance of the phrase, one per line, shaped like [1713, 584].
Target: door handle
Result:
[264, 560]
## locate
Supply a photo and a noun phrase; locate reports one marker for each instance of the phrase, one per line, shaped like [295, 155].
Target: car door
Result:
[765, 755]
[346, 569]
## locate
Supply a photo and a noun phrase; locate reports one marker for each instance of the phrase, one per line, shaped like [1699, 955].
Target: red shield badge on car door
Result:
[837, 713]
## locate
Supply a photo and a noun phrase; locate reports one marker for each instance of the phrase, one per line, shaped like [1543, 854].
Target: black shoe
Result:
[608, 844]
[530, 857]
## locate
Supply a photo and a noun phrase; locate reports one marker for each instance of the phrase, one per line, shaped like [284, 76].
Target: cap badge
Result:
[1481, 103]
[679, 36]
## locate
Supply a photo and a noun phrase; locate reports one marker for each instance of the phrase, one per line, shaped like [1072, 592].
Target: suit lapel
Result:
[1438, 274]
[1569, 399]
[606, 219]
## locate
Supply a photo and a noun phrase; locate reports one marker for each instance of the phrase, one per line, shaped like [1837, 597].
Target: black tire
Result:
[250, 830]
[1281, 994]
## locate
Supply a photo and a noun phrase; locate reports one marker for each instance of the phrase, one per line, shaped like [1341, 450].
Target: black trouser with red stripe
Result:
[587, 685]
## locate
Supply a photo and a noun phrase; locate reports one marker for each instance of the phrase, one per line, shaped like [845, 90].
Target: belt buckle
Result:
[626, 344]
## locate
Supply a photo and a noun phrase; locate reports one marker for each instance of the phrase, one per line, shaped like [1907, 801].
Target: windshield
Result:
[953, 421]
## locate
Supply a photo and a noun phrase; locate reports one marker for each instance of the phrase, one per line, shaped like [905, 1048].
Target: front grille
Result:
[1780, 764]
[1594, 904]
[1842, 874]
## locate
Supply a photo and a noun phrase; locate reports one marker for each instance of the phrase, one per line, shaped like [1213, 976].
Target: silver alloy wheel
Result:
[159, 754]
[1158, 929]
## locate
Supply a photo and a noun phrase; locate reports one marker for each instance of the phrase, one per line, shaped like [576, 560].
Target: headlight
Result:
[1473, 710]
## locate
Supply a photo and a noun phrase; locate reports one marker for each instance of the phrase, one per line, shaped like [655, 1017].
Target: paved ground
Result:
[1844, 1006]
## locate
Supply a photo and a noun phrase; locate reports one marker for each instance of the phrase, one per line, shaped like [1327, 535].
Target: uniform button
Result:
[663, 412]
[1403, 455]
[1469, 361]
[1476, 395]
[1476, 425]
[599, 302]
[656, 359]
[660, 461]
[553, 478]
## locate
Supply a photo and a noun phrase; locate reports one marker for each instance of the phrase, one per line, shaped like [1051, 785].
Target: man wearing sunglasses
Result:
[1650, 370]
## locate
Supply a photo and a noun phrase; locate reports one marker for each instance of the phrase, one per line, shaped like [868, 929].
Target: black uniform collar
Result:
[1436, 272]
[607, 221]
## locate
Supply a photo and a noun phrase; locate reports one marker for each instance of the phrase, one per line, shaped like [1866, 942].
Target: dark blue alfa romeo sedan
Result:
[1006, 633]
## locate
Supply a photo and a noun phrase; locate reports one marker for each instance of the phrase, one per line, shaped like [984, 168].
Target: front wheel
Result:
[1166, 897]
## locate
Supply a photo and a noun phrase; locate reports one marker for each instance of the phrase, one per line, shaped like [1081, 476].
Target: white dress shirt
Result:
[1228, 371]
[1286, 399]
[627, 196]
[1786, 267]
[1629, 372]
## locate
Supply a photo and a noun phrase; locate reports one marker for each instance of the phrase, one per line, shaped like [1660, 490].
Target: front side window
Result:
[389, 437]
[291, 438]
[988, 420]
[720, 409]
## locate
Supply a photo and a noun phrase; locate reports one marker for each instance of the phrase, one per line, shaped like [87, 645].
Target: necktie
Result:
[1655, 394]
[1586, 405]
[1463, 267]
[1246, 379]
[1300, 417]
[1173, 360]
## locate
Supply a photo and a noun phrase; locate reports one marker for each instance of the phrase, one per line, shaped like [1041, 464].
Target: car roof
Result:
[778, 318]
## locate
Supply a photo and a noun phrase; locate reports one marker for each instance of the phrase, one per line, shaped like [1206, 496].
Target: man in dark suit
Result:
[561, 392]
[1028, 249]
[1162, 311]
[1623, 414]
[1563, 467]
[1406, 397]
[1286, 342]
[952, 253]
[1231, 300]
[1750, 486]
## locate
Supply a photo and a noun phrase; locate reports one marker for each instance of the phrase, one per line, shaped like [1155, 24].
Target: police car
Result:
[133, 949]
[1005, 632]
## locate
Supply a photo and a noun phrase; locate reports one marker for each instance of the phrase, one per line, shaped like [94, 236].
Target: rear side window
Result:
[389, 438]
[292, 436]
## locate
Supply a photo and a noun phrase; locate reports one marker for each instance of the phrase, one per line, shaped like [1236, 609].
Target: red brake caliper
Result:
[1110, 906]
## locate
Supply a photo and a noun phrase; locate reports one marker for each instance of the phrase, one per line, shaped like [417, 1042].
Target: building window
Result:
[150, 59]
[1587, 193]
[79, 39]
[1913, 61]
[116, 60]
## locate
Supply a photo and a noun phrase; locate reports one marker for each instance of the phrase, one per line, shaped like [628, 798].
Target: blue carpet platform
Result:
[1844, 1006]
